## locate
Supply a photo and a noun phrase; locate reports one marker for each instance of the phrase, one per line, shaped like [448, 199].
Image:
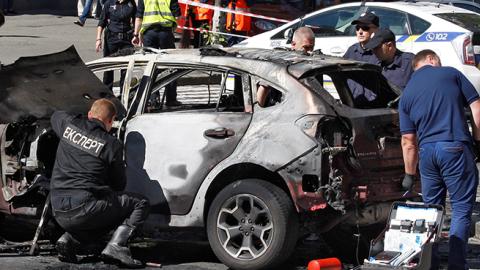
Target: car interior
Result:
[206, 90]
[371, 88]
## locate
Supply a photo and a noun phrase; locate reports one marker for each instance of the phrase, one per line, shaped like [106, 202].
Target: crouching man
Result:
[86, 185]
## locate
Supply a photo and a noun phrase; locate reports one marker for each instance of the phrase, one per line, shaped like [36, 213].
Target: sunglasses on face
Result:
[363, 27]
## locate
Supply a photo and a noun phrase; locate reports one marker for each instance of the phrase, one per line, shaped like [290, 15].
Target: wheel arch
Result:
[242, 171]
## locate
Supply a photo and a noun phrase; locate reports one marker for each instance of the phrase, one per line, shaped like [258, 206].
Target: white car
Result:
[452, 32]
[470, 5]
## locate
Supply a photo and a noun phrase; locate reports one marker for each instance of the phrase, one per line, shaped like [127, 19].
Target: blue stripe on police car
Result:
[438, 36]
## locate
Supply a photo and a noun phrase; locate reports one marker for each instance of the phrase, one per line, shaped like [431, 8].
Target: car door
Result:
[170, 150]
[333, 30]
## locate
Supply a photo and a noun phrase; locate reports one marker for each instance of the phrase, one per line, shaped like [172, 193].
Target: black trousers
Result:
[162, 38]
[115, 42]
[88, 216]
[198, 40]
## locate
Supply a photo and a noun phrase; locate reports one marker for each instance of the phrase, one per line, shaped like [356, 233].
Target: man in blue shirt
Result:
[432, 113]
[396, 65]
[365, 26]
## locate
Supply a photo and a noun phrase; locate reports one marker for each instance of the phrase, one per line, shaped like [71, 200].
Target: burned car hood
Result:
[34, 87]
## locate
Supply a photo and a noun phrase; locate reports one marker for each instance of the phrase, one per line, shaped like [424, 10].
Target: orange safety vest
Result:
[202, 14]
[238, 22]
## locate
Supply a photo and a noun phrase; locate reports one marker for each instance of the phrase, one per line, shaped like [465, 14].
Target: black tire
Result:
[278, 235]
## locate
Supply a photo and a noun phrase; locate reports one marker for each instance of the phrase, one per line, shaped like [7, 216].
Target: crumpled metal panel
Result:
[37, 86]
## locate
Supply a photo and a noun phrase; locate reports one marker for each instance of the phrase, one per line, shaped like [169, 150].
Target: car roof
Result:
[297, 63]
[447, 2]
[411, 7]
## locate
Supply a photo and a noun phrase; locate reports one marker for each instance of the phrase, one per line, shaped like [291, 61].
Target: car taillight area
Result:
[476, 47]
[471, 43]
[468, 53]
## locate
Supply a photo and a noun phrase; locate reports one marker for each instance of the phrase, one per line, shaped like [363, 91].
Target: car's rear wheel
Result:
[252, 224]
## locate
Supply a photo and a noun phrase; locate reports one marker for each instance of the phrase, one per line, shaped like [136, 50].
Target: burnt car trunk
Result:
[31, 89]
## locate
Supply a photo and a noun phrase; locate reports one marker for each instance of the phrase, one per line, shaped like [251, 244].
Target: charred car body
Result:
[254, 177]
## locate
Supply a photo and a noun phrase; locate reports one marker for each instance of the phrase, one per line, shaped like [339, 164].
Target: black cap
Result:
[378, 38]
[367, 18]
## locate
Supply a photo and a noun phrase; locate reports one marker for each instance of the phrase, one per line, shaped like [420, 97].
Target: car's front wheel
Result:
[252, 224]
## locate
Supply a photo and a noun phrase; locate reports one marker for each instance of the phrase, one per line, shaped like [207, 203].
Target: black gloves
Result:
[476, 150]
[408, 181]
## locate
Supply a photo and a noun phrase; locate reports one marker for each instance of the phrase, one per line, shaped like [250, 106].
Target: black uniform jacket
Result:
[118, 17]
[88, 158]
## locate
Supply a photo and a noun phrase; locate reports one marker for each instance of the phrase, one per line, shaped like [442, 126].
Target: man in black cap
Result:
[365, 26]
[396, 65]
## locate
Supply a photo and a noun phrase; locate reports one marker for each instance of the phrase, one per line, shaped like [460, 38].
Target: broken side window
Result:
[362, 89]
[196, 89]
[266, 94]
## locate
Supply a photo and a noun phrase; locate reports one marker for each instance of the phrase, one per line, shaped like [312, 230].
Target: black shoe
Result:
[174, 103]
[117, 250]
[67, 247]
[79, 23]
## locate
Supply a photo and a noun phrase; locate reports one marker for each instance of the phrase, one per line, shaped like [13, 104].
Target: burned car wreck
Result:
[255, 178]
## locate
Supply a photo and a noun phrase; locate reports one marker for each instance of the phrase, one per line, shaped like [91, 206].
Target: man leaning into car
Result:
[86, 185]
[303, 41]
[396, 65]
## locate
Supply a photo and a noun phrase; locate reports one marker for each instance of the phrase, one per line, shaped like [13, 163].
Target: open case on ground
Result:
[407, 240]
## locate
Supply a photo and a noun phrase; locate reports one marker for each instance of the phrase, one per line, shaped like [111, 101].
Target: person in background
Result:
[200, 17]
[8, 7]
[2, 18]
[365, 26]
[303, 41]
[238, 24]
[435, 137]
[117, 21]
[99, 8]
[154, 25]
[86, 10]
[396, 65]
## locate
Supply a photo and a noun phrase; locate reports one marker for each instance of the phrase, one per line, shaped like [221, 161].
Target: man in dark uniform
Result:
[154, 25]
[117, 18]
[396, 65]
[365, 26]
[432, 109]
[86, 185]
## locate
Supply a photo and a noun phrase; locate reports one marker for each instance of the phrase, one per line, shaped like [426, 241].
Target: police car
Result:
[452, 32]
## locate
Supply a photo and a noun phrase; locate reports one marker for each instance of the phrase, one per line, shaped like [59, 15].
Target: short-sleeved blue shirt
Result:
[400, 70]
[356, 52]
[433, 105]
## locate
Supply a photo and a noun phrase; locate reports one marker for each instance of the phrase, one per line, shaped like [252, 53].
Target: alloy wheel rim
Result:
[245, 227]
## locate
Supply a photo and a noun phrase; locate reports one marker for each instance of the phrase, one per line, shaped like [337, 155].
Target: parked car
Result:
[453, 33]
[470, 5]
[255, 178]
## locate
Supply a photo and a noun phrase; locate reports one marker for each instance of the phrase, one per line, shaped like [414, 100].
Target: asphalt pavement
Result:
[29, 35]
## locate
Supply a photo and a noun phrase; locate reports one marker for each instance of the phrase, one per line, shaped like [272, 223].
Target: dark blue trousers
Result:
[450, 166]
[162, 39]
